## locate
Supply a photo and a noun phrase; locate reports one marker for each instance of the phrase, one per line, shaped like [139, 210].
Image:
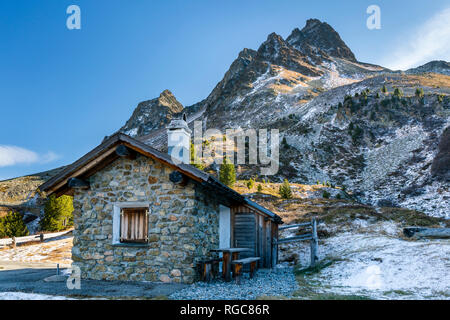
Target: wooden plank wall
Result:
[250, 229]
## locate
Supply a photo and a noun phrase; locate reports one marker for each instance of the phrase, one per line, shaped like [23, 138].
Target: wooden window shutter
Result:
[134, 225]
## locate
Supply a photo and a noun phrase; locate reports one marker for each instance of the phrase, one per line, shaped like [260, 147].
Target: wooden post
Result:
[314, 243]
[13, 242]
[226, 265]
[237, 272]
[274, 252]
[41, 237]
[252, 268]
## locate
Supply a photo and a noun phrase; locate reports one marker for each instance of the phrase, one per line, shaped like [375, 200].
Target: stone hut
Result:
[140, 214]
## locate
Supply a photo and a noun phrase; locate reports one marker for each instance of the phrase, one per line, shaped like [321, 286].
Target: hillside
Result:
[20, 194]
[338, 125]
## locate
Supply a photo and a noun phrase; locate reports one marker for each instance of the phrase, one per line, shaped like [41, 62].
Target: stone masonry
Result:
[183, 224]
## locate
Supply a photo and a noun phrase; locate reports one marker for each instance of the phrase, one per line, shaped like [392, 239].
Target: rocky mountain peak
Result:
[277, 51]
[152, 114]
[272, 46]
[320, 36]
[167, 99]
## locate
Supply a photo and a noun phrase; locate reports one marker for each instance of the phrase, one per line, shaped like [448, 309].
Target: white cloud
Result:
[12, 155]
[431, 41]
[49, 157]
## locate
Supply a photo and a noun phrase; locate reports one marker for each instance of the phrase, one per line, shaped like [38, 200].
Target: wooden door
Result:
[244, 233]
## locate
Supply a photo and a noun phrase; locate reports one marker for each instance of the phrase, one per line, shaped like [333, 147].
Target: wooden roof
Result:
[105, 153]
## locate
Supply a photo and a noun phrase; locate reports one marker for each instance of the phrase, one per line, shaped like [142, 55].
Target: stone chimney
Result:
[179, 139]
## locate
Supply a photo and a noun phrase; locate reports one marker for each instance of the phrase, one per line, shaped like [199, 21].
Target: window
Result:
[134, 225]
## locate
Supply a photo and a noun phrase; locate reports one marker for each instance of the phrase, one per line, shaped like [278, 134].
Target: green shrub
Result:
[57, 213]
[227, 173]
[259, 188]
[384, 89]
[326, 194]
[285, 190]
[398, 93]
[250, 184]
[419, 93]
[195, 161]
[12, 225]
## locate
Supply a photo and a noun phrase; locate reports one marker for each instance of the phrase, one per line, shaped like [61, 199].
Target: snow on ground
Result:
[54, 251]
[375, 262]
[29, 296]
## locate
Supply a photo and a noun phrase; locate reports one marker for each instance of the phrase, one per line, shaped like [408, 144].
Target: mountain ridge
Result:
[301, 85]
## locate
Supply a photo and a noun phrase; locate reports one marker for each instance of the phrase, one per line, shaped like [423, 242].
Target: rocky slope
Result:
[386, 150]
[339, 126]
[20, 195]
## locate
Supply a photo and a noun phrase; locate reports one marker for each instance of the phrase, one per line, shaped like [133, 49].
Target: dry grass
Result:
[331, 211]
[432, 80]
[55, 251]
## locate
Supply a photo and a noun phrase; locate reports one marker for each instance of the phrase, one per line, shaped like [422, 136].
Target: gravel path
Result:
[277, 282]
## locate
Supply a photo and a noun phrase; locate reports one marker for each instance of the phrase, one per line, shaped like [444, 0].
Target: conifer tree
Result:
[419, 93]
[57, 213]
[398, 93]
[285, 190]
[195, 161]
[227, 173]
[250, 183]
[12, 225]
[259, 188]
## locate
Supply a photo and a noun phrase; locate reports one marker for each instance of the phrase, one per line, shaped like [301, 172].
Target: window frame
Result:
[117, 209]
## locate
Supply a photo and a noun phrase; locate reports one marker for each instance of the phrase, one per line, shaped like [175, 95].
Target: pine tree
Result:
[398, 93]
[12, 225]
[384, 89]
[195, 161]
[285, 190]
[227, 173]
[57, 213]
[250, 184]
[259, 188]
[419, 93]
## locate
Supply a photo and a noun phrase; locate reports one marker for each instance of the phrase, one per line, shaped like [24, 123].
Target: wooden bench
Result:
[209, 269]
[238, 264]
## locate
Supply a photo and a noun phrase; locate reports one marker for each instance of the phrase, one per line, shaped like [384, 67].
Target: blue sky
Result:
[62, 91]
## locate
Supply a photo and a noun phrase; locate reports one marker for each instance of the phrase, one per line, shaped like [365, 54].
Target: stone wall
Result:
[183, 224]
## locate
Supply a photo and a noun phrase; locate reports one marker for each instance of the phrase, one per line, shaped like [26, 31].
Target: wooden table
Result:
[229, 254]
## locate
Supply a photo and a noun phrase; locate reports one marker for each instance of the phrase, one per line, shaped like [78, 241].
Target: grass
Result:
[412, 218]
[312, 270]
